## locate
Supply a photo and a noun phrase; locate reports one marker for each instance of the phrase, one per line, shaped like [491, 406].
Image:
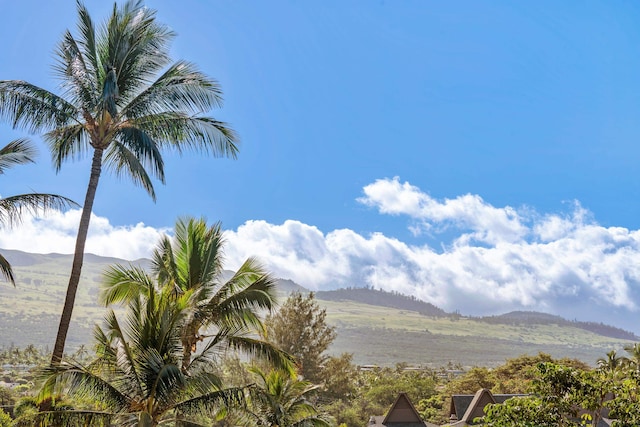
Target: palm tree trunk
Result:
[189, 341]
[78, 256]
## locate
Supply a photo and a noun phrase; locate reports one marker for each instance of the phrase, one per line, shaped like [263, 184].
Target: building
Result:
[401, 414]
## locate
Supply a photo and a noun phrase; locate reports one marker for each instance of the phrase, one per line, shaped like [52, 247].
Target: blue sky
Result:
[480, 155]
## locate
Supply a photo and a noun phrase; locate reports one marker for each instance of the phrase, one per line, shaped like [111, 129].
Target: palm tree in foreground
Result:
[124, 101]
[279, 399]
[219, 313]
[137, 376]
[12, 208]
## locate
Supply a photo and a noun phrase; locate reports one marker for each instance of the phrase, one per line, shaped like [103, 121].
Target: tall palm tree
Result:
[279, 399]
[189, 267]
[17, 152]
[136, 375]
[124, 101]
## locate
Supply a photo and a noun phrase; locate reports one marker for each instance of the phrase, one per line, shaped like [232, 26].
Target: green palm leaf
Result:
[123, 101]
[17, 152]
[13, 208]
[6, 271]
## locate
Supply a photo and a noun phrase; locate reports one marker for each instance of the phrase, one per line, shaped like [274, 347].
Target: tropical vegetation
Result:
[188, 269]
[124, 101]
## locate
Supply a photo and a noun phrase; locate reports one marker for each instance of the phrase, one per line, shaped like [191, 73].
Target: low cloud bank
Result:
[501, 258]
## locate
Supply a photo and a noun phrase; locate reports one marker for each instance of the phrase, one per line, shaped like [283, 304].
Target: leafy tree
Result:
[279, 399]
[18, 152]
[137, 374]
[516, 374]
[300, 329]
[530, 411]
[340, 378]
[123, 101]
[557, 393]
[471, 381]
[625, 405]
[7, 396]
[5, 419]
[188, 268]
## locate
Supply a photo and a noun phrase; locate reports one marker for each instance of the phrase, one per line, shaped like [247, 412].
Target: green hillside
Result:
[377, 327]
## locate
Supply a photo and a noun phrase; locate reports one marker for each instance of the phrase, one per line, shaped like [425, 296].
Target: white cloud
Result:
[486, 223]
[56, 233]
[500, 259]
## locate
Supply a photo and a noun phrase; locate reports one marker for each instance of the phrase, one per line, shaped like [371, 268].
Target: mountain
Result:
[377, 327]
[383, 299]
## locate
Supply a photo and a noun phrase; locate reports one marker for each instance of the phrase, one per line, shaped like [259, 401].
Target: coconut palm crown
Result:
[221, 312]
[123, 101]
[136, 376]
[279, 399]
[12, 208]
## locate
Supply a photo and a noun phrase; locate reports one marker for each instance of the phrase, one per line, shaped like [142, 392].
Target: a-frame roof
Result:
[481, 399]
[403, 412]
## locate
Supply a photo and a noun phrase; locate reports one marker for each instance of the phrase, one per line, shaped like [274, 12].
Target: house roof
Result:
[403, 411]
[465, 408]
[401, 414]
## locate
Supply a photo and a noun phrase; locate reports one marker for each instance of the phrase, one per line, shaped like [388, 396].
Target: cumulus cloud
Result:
[485, 222]
[56, 231]
[500, 258]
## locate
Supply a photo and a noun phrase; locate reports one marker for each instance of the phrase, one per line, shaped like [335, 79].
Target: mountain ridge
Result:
[378, 327]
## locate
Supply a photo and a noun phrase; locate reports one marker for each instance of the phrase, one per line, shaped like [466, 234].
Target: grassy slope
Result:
[376, 335]
[380, 335]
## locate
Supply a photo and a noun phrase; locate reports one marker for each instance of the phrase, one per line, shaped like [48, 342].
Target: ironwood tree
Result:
[300, 328]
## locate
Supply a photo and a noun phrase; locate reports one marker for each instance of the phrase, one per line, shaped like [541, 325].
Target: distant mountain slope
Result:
[403, 302]
[383, 299]
[534, 317]
[377, 327]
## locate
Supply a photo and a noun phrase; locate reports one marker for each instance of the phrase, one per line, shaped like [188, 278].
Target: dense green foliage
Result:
[300, 329]
[188, 268]
[562, 395]
[136, 376]
[279, 399]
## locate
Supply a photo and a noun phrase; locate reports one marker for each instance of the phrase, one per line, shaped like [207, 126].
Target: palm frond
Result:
[16, 152]
[161, 377]
[79, 381]
[262, 350]
[180, 131]
[78, 79]
[199, 257]
[119, 352]
[68, 418]
[209, 402]
[134, 45]
[67, 142]
[122, 283]
[12, 208]
[6, 271]
[250, 286]
[35, 109]
[164, 266]
[128, 163]
[181, 88]
[88, 41]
